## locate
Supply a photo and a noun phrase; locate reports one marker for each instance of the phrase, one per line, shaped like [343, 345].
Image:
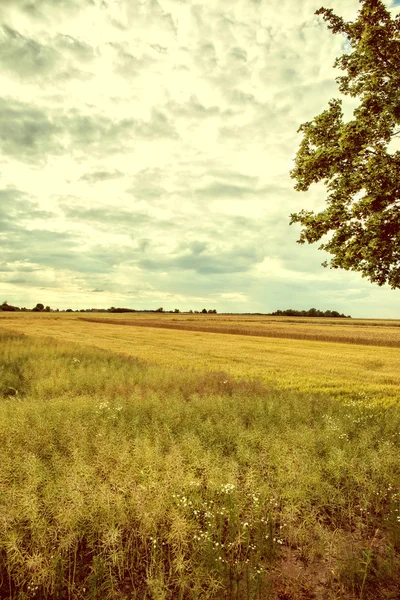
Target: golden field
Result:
[341, 357]
[234, 458]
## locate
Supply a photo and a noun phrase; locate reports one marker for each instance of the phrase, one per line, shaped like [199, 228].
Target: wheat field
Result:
[318, 365]
[142, 462]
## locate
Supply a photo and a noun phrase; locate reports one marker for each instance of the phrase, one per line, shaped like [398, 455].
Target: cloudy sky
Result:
[145, 150]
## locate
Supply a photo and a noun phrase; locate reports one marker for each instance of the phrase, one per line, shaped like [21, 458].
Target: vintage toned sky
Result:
[145, 150]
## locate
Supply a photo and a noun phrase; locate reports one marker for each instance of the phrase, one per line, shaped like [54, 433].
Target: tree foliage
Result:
[312, 312]
[38, 308]
[353, 159]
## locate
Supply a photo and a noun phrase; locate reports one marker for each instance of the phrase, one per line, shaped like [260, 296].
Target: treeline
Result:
[210, 311]
[290, 312]
[312, 312]
[41, 308]
[38, 308]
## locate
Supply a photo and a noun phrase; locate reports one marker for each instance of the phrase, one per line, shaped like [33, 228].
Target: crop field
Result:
[206, 457]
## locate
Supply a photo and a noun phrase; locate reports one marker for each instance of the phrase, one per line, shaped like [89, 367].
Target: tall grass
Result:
[121, 480]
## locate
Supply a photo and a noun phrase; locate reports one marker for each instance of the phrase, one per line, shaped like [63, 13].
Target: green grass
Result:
[126, 480]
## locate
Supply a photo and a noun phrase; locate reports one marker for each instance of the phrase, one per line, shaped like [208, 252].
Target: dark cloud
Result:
[223, 190]
[159, 126]
[96, 132]
[206, 58]
[58, 250]
[233, 176]
[240, 98]
[20, 242]
[25, 56]
[149, 15]
[27, 269]
[243, 188]
[74, 47]
[27, 132]
[238, 54]
[197, 247]
[47, 59]
[31, 59]
[106, 217]
[42, 9]
[19, 281]
[192, 109]
[96, 176]
[216, 262]
[265, 120]
[32, 134]
[126, 64]
[147, 185]
[17, 208]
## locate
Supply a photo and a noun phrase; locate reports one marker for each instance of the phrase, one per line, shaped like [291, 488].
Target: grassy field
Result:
[153, 463]
[384, 333]
[317, 366]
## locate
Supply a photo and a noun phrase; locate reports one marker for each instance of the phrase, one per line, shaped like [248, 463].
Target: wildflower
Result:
[227, 488]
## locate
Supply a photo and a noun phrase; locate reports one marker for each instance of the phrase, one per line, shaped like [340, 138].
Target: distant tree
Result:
[177, 310]
[69, 310]
[8, 307]
[159, 309]
[47, 309]
[353, 159]
[38, 308]
[312, 312]
[204, 311]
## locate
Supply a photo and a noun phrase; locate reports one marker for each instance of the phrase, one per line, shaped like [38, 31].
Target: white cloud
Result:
[160, 135]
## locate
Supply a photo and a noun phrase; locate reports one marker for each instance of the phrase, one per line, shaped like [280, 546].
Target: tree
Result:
[38, 308]
[353, 159]
[8, 307]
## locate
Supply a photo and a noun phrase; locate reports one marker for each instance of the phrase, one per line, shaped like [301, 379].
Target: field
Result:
[198, 457]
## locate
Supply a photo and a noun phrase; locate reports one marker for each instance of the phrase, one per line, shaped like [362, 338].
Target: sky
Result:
[145, 151]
